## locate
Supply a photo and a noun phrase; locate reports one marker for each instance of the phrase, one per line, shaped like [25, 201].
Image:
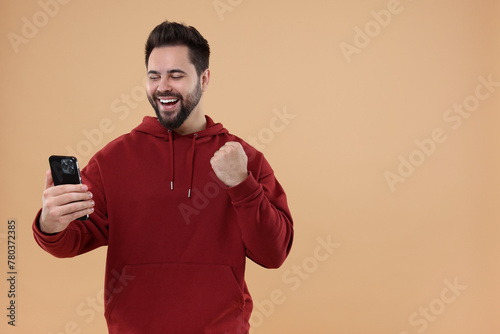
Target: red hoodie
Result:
[177, 237]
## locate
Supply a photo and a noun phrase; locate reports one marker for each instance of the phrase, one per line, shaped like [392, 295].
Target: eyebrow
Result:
[168, 72]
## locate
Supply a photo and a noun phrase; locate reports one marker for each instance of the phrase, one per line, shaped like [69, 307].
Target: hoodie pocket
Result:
[174, 298]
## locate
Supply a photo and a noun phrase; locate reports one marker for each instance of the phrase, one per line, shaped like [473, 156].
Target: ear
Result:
[205, 79]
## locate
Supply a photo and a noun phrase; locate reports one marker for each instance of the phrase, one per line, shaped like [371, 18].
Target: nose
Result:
[164, 86]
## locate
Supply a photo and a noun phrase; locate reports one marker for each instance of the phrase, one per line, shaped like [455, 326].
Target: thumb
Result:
[49, 182]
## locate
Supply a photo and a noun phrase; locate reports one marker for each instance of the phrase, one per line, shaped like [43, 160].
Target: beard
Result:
[172, 122]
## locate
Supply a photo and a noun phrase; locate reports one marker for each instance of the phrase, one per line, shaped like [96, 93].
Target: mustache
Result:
[167, 95]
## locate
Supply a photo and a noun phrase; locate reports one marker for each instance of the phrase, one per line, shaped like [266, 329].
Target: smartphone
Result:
[65, 170]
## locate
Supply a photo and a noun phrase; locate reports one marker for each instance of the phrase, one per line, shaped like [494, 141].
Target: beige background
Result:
[350, 119]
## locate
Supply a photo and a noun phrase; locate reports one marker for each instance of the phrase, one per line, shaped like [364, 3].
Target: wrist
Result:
[238, 180]
[43, 228]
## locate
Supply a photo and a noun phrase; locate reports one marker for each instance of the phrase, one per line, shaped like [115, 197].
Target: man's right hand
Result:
[62, 204]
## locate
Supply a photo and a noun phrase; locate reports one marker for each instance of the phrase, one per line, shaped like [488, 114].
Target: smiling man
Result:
[179, 201]
[171, 75]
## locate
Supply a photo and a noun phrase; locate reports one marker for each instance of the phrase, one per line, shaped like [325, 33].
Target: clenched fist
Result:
[230, 164]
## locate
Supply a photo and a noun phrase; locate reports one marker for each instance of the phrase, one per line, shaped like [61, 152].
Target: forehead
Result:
[166, 58]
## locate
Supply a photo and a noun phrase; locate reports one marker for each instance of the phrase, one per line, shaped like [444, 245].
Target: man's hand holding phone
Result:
[62, 204]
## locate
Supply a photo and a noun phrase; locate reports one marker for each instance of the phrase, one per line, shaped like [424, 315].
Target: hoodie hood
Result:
[151, 126]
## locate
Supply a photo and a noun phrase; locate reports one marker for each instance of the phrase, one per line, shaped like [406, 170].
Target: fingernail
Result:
[85, 188]
[90, 195]
[92, 203]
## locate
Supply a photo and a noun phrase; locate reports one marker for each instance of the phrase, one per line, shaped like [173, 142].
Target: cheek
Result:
[150, 89]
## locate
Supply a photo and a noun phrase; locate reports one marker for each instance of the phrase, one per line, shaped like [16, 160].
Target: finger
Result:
[233, 147]
[225, 148]
[77, 208]
[78, 214]
[68, 218]
[66, 198]
[213, 161]
[67, 188]
[219, 152]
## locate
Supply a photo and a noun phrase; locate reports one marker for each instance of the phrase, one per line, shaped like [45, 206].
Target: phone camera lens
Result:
[68, 166]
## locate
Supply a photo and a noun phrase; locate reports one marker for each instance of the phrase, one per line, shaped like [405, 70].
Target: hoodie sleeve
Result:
[80, 236]
[264, 217]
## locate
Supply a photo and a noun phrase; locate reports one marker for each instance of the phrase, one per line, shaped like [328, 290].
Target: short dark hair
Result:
[173, 34]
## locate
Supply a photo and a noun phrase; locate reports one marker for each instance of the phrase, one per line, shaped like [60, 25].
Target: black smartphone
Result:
[65, 170]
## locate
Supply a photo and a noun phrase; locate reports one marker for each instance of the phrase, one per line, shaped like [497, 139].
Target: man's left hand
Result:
[230, 164]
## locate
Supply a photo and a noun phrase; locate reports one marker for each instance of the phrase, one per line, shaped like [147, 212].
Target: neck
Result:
[194, 123]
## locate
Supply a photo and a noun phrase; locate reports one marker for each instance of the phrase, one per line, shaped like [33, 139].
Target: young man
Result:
[180, 203]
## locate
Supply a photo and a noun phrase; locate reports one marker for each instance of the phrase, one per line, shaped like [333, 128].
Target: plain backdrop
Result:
[375, 117]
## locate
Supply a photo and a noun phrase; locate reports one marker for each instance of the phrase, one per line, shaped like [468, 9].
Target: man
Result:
[180, 203]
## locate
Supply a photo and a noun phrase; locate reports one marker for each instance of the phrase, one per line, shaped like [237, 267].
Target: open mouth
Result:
[168, 102]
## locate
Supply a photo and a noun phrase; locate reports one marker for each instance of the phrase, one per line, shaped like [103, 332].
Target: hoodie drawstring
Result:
[192, 164]
[171, 159]
[152, 126]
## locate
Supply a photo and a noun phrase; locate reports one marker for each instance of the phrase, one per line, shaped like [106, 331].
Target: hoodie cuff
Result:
[47, 238]
[245, 189]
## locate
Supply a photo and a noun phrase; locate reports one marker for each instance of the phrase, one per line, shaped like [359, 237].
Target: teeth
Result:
[168, 101]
